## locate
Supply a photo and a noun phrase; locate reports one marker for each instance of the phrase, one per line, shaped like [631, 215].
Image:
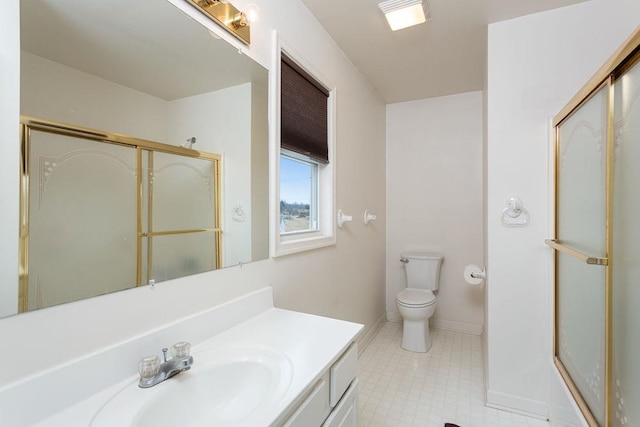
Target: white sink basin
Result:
[227, 386]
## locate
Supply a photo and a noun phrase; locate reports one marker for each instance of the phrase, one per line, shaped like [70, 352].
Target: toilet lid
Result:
[416, 297]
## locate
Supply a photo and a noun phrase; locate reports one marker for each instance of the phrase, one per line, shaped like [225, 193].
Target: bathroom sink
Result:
[227, 386]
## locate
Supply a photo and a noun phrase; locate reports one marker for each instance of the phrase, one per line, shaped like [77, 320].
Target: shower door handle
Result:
[576, 254]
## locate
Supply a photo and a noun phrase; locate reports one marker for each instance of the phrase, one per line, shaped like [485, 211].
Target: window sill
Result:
[293, 246]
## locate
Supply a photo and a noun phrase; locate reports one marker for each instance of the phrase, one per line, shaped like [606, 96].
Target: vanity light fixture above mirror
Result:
[228, 16]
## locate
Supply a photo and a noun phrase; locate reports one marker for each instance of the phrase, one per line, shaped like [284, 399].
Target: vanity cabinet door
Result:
[315, 408]
[346, 413]
[333, 401]
[342, 373]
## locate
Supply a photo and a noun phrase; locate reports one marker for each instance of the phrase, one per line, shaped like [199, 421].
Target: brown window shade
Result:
[303, 119]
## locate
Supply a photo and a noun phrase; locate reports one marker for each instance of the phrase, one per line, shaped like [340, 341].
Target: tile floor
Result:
[401, 388]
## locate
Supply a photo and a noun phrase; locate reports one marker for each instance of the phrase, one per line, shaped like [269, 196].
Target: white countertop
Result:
[311, 343]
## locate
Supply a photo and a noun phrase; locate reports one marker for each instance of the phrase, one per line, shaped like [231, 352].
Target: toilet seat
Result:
[411, 297]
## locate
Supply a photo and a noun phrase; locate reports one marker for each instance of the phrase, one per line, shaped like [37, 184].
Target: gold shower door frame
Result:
[28, 123]
[624, 58]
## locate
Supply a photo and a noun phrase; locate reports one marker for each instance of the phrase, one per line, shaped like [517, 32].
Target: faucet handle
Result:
[148, 366]
[180, 349]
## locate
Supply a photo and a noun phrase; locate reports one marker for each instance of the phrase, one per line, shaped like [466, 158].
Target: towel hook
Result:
[368, 217]
[342, 218]
[515, 215]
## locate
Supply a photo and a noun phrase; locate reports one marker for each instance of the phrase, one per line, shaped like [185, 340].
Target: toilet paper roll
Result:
[475, 281]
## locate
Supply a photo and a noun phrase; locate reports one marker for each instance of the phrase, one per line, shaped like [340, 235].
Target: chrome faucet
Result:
[153, 372]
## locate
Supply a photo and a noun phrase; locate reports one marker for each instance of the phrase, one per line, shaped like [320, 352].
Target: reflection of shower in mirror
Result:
[189, 142]
[238, 213]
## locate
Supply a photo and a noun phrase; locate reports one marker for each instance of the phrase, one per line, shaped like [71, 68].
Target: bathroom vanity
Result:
[254, 365]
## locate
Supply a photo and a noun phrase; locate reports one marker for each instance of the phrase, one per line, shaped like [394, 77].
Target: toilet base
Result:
[415, 336]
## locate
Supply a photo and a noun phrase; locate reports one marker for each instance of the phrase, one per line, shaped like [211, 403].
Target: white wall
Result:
[535, 65]
[434, 200]
[344, 281]
[259, 170]
[53, 91]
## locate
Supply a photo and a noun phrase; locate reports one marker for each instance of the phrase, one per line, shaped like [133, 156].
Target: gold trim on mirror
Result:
[227, 16]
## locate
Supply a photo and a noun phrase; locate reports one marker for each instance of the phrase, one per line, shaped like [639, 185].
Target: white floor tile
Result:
[445, 385]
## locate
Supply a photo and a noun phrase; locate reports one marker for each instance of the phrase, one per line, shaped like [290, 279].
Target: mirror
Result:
[147, 70]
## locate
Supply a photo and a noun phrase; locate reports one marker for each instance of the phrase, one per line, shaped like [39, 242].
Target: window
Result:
[298, 194]
[305, 165]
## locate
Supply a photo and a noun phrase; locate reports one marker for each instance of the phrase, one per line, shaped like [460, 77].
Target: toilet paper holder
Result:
[482, 274]
[475, 275]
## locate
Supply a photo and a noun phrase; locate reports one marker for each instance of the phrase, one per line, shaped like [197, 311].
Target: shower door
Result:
[582, 253]
[626, 248]
[81, 219]
[102, 212]
[180, 231]
[597, 242]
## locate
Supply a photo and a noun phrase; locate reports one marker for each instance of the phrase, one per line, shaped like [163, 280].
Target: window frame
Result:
[325, 235]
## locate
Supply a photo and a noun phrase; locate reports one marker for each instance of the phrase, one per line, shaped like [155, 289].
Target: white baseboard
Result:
[394, 316]
[366, 339]
[517, 405]
[449, 325]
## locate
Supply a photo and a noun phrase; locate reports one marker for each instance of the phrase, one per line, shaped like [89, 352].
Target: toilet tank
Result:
[423, 270]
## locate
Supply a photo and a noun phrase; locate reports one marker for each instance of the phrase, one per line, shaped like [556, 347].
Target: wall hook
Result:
[237, 213]
[342, 218]
[515, 215]
[368, 217]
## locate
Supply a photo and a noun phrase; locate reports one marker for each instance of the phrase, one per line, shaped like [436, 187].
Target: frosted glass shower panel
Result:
[182, 192]
[581, 177]
[180, 255]
[581, 226]
[626, 238]
[581, 328]
[82, 223]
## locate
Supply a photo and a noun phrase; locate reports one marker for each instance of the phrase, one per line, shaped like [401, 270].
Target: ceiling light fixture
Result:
[404, 13]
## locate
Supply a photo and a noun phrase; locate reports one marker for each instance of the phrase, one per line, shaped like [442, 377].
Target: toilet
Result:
[417, 302]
